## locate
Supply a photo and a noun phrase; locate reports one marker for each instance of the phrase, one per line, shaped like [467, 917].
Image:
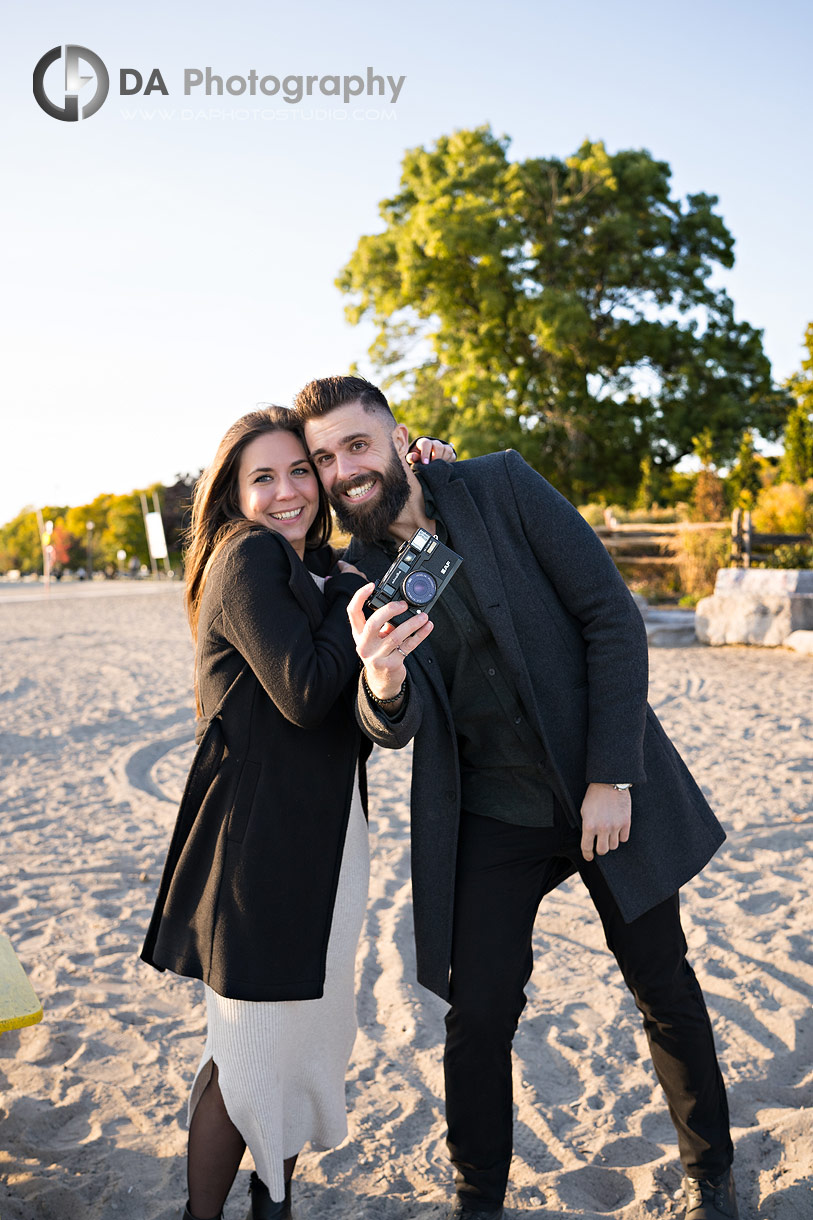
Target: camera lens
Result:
[419, 588]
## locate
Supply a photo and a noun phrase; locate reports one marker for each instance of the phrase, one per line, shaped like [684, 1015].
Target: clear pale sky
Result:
[163, 274]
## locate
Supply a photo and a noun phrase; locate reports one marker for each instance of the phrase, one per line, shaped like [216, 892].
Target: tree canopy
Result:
[117, 525]
[562, 307]
[744, 479]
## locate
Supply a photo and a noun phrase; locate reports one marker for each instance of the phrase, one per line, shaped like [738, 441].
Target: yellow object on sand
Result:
[18, 1003]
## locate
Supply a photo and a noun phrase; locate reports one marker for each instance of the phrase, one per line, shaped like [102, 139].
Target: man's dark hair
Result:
[327, 393]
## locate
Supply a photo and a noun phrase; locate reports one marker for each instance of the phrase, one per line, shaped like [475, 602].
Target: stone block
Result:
[753, 617]
[670, 628]
[774, 582]
[801, 641]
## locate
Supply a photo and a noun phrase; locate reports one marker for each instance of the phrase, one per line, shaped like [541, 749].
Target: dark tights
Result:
[216, 1149]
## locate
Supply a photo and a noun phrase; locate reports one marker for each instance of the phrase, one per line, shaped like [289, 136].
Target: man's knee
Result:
[484, 1015]
[651, 953]
[660, 988]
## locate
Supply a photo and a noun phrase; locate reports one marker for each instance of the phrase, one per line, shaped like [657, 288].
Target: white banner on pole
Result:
[155, 535]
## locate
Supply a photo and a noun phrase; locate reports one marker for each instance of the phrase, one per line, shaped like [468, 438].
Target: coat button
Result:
[517, 720]
[492, 672]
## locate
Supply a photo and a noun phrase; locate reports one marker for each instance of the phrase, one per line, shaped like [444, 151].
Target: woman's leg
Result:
[216, 1148]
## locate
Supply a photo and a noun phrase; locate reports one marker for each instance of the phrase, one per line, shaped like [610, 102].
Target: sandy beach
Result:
[96, 725]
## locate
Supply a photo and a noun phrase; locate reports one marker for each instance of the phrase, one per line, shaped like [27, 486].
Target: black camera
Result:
[421, 571]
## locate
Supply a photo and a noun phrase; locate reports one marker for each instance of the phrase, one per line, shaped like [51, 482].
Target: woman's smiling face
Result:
[278, 487]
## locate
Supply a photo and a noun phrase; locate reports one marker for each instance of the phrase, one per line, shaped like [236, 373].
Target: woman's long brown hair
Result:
[216, 515]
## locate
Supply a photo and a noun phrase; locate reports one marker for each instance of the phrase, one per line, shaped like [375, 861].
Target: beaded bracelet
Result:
[375, 698]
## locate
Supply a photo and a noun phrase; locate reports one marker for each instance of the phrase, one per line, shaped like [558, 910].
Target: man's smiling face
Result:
[359, 457]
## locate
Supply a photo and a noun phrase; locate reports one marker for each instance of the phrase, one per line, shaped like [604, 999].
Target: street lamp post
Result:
[89, 527]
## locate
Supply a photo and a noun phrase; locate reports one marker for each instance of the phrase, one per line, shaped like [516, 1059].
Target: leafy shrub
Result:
[792, 555]
[708, 498]
[593, 513]
[700, 555]
[660, 585]
[784, 508]
[655, 514]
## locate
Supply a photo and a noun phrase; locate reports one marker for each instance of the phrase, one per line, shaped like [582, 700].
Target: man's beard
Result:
[370, 522]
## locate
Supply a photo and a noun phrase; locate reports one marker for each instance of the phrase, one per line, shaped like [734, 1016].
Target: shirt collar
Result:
[431, 509]
[429, 505]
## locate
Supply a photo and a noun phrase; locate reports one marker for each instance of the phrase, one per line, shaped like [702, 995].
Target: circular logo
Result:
[69, 112]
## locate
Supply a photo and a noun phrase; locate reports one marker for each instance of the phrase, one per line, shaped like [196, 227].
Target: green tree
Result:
[108, 524]
[801, 384]
[124, 530]
[708, 498]
[560, 307]
[744, 479]
[652, 486]
[176, 508]
[20, 543]
[797, 463]
[88, 542]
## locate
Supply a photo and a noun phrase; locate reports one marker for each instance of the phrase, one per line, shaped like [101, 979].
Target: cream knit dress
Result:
[282, 1066]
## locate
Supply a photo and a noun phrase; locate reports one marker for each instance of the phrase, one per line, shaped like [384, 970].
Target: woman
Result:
[265, 883]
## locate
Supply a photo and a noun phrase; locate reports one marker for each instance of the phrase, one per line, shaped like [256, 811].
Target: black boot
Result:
[715, 1199]
[459, 1212]
[263, 1206]
[187, 1215]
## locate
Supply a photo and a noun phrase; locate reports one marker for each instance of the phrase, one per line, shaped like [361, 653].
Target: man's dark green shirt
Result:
[503, 766]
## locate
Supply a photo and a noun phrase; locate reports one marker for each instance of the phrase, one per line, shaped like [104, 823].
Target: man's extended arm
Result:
[587, 582]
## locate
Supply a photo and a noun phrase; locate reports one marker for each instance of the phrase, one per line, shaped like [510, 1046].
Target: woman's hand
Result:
[429, 449]
[382, 646]
[344, 566]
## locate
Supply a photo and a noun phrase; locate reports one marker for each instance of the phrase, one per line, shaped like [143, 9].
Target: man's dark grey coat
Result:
[574, 644]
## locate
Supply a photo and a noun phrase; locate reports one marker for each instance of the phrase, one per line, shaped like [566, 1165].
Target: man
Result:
[535, 756]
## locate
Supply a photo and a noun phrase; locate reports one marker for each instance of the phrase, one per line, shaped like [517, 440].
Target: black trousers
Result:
[502, 872]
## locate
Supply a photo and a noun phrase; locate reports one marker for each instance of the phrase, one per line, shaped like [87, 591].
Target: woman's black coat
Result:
[246, 899]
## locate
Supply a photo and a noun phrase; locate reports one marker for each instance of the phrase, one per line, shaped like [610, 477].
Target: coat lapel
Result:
[304, 588]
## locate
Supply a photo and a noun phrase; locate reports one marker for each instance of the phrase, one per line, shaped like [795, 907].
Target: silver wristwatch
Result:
[622, 787]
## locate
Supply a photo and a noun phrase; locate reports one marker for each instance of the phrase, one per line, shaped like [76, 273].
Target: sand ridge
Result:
[96, 724]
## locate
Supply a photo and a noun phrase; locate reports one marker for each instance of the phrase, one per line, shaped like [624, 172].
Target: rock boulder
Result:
[756, 606]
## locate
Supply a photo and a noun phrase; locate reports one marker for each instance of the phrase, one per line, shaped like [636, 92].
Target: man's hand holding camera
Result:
[409, 589]
[383, 647]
